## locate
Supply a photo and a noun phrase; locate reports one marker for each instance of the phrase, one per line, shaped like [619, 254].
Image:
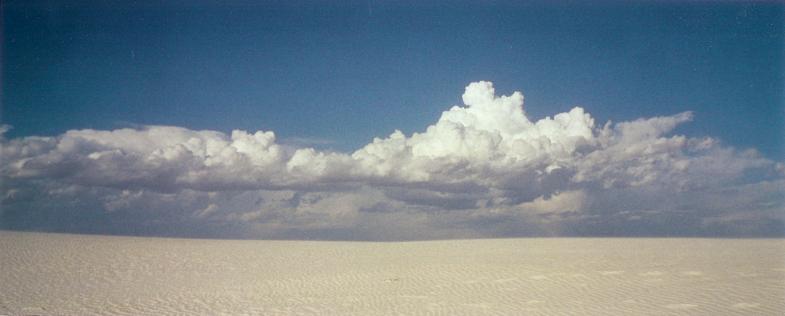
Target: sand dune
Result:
[53, 274]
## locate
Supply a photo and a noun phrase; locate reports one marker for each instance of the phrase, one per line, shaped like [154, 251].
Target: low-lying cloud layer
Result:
[483, 169]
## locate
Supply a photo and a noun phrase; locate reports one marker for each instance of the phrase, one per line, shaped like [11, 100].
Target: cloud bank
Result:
[484, 169]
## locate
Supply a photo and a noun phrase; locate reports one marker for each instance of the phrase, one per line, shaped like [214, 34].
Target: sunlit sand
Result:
[54, 274]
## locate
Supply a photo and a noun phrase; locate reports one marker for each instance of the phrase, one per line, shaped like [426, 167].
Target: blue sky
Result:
[327, 120]
[352, 71]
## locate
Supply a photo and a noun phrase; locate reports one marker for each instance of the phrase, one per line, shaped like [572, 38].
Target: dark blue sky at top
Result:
[353, 71]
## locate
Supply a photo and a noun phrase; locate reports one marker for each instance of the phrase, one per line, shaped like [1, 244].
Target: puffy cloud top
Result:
[483, 169]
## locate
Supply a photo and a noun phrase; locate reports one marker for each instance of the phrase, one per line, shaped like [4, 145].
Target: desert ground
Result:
[61, 274]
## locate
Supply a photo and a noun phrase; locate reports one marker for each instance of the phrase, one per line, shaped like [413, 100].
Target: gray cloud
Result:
[483, 169]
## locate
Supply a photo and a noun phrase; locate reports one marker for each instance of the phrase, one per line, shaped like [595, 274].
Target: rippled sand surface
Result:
[53, 274]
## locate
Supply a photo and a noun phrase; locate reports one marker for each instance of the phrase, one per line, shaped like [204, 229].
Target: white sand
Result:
[53, 274]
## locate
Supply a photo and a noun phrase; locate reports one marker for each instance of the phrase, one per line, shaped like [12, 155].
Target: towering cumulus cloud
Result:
[483, 169]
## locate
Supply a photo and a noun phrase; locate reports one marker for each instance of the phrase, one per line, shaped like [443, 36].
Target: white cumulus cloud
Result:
[482, 169]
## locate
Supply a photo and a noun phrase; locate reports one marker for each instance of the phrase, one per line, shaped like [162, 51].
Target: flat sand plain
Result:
[59, 274]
